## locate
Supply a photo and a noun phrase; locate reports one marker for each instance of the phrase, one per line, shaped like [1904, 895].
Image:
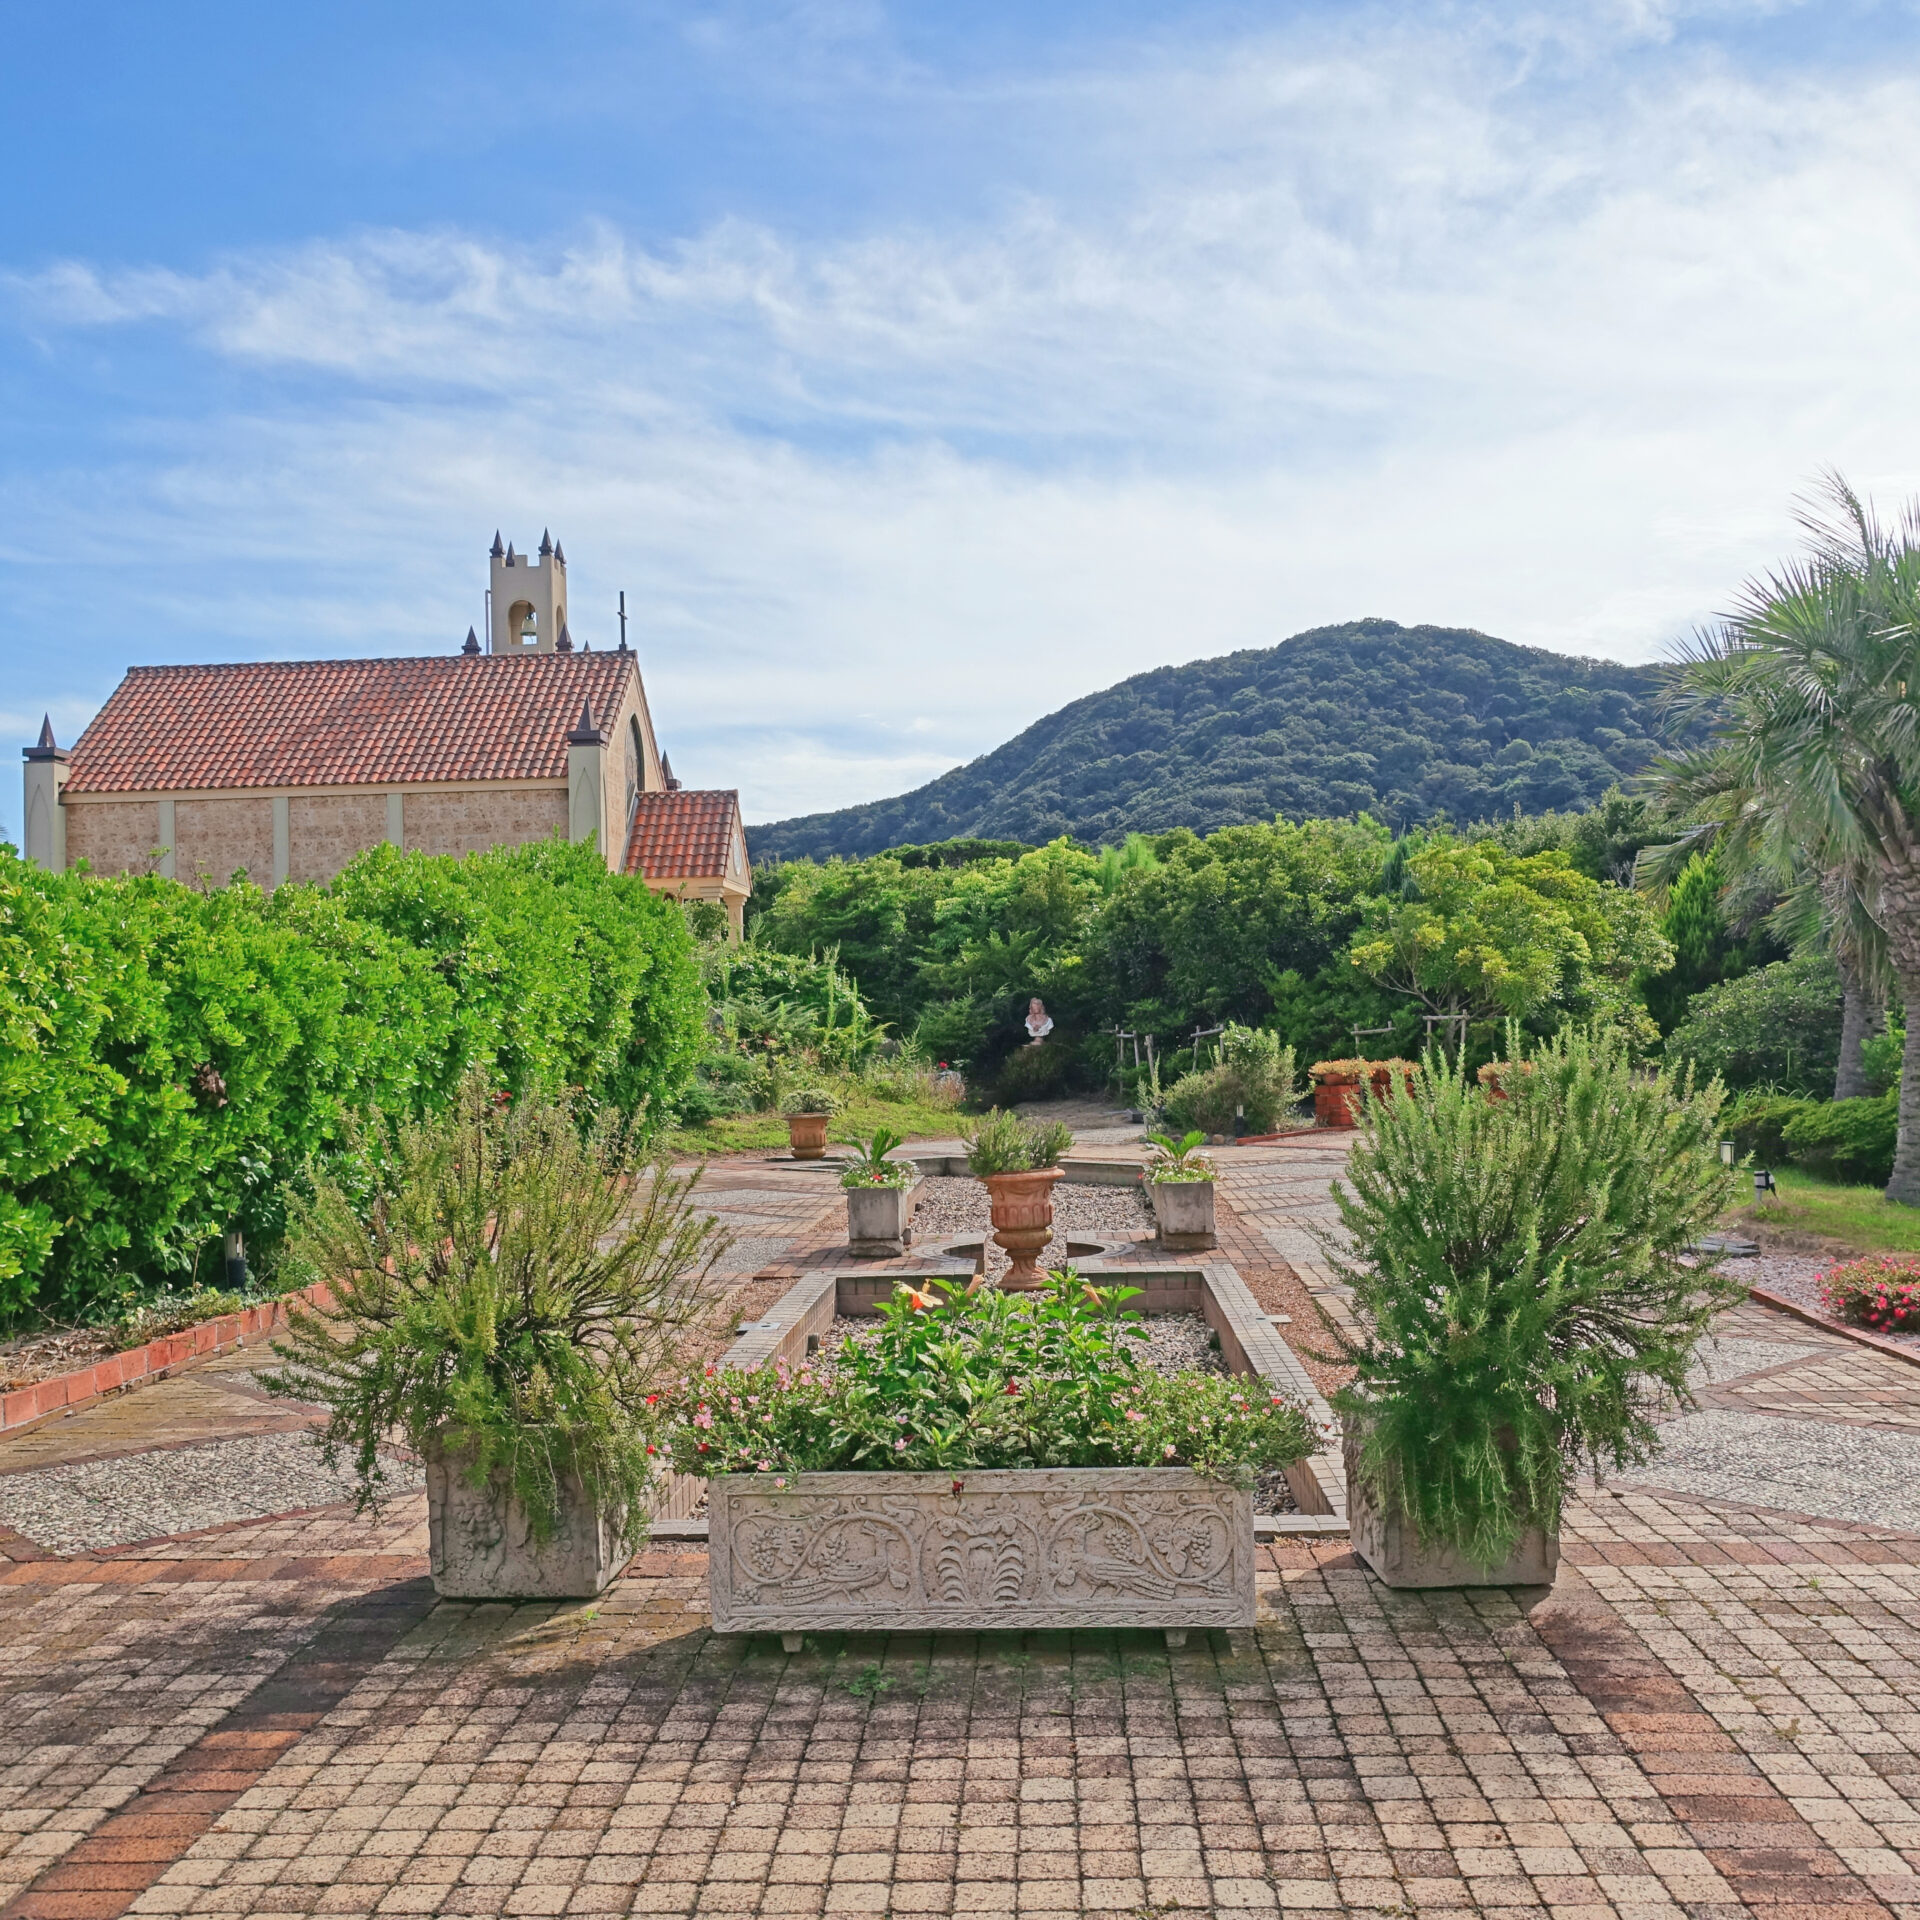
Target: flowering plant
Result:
[1881, 1291]
[960, 1377]
[870, 1166]
[1177, 1162]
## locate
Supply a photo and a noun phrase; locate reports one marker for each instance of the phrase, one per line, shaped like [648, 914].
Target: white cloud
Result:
[1376, 322]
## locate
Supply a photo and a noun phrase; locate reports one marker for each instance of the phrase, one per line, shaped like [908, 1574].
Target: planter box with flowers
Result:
[1337, 1083]
[985, 1459]
[880, 1197]
[1180, 1180]
[807, 1113]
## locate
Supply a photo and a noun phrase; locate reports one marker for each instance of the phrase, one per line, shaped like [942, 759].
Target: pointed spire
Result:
[509, 553]
[473, 642]
[498, 549]
[586, 734]
[46, 749]
[546, 544]
[565, 643]
[560, 553]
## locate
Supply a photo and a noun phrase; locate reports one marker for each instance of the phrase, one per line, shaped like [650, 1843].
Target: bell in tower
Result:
[529, 598]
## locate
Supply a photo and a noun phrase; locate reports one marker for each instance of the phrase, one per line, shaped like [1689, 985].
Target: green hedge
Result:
[174, 1059]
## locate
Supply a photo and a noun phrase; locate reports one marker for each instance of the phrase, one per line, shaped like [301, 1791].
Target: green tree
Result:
[1477, 931]
[1698, 935]
[1812, 689]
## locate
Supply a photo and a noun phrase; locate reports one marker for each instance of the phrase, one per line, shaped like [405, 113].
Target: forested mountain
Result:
[1406, 722]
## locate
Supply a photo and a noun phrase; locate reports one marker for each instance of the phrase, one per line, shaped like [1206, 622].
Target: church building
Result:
[287, 769]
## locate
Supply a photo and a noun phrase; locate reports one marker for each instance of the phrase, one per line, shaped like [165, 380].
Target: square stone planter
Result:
[1183, 1211]
[480, 1545]
[931, 1552]
[880, 1220]
[1386, 1540]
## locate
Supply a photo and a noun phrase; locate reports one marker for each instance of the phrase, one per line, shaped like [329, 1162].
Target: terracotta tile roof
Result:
[684, 835]
[309, 723]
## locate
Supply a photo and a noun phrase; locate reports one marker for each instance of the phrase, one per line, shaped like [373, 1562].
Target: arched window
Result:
[635, 763]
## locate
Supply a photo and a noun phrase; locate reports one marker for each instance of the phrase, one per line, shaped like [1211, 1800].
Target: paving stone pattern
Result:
[1716, 1712]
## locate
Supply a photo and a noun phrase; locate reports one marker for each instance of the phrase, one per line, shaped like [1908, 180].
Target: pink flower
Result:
[899, 1446]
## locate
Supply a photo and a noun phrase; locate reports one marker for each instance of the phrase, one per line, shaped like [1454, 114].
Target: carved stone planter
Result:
[880, 1220]
[932, 1552]
[1385, 1539]
[1183, 1211]
[480, 1545]
[807, 1135]
[1022, 1210]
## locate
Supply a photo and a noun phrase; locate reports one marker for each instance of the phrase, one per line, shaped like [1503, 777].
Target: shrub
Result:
[174, 1059]
[1519, 1265]
[957, 1380]
[1004, 1143]
[505, 1291]
[1255, 1077]
[168, 1312]
[1756, 1123]
[810, 1100]
[1778, 1026]
[1846, 1140]
[1035, 1073]
[1881, 1291]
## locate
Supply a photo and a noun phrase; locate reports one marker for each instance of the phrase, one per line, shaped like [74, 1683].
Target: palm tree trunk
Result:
[1860, 1020]
[1905, 1184]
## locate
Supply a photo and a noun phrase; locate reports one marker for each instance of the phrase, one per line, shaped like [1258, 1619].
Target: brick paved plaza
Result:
[1715, 1711]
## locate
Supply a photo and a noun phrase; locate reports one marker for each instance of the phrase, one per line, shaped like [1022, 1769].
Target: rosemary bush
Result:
[1517, 1265]
[1001, 1142]
[506, 1289]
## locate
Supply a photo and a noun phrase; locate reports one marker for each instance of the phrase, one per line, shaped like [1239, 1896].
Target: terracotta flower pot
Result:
[1022, 1206]
[807, 1133]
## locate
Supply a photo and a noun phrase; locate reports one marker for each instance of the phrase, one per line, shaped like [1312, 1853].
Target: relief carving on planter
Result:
[1064, 1547]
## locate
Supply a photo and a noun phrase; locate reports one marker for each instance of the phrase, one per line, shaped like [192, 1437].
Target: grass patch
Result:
[860, 1114]
[1860, 1217]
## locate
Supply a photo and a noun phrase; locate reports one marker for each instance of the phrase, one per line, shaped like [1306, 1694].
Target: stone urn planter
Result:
[935, 1552]
[480, 1543]
[807, 1135]
[1022, 1213]
[1386, 1540]
[1183, 1212]
[880, 1220]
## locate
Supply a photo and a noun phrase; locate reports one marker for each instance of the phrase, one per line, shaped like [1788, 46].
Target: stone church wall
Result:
[325, 831]
[491, 817]
[214, 837]
[113, 836]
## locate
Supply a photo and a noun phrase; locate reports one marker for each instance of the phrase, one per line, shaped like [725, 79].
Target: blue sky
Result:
[915, 369]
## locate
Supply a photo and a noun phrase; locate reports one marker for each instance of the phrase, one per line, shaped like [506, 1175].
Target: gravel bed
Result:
[45, 1356]
[1792, 1277]
[956, 1209]
[1866, 1475]
[95, 1504]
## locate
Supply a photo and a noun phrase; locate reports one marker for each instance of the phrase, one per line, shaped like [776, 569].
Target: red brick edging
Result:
[67, 1391]
[1878, 1342]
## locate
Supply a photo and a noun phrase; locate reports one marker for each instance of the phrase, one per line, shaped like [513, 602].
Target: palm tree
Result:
[1811, 689]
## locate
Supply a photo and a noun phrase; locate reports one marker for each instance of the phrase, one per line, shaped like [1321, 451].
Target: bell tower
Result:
[529, 600]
